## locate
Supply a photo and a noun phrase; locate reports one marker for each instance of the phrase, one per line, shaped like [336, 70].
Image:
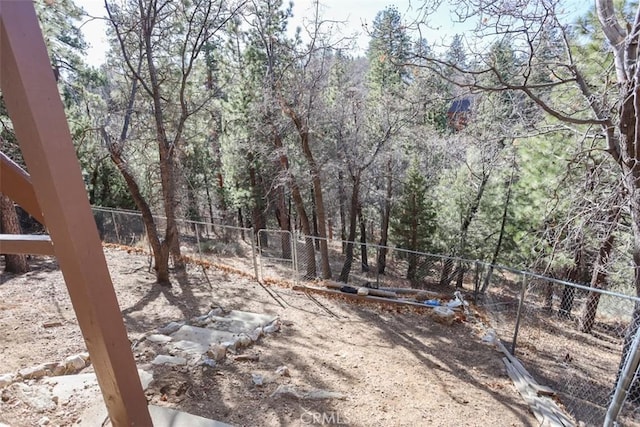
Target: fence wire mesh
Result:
[570, 337]
[225, 245]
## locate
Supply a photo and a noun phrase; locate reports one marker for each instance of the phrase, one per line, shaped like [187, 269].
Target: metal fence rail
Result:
[565, 339]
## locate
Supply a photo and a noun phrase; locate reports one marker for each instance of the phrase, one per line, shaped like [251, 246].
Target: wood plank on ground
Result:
[538, 397]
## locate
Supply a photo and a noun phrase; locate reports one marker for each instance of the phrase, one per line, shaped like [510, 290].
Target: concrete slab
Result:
[67, 386]
[166, 417]
[163, 359]
[161, 417]
[203, 336]
[239, 322]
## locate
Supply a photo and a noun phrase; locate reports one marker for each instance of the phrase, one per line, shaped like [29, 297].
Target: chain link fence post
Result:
[254, 256]
[624, 381]
[523, 291]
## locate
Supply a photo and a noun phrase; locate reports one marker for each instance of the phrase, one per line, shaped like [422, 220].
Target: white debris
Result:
[272, 327]
[6, 379]
[158, 338]
[162, 359]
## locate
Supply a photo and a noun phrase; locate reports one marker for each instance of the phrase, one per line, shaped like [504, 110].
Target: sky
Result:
[355, 15]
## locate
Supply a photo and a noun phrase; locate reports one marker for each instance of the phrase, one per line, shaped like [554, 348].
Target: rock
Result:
[74, 363]
[287, 323]
[44, 421]
[283, 371]
[217, 311]
[206, 361]
[202, 336]
[255, 334]
[170, 328]
[363, 291]
[200, 320]
[158, 338]
[229, 346]
[289, 390]
[272, 327]
[162, 359]
[37, 398]
[60, 369]
[217, 352]
[243, 341]
[36, 372]
[257, 379]
[6, 379]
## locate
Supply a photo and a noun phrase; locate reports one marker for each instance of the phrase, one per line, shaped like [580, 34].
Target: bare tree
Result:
[607, 100]
[159, 44]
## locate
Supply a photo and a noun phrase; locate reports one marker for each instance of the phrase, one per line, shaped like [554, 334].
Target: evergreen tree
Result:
[389, 51]
[413, 221]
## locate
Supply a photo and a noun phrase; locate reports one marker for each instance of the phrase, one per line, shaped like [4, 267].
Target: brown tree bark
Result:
[386, 216]
[310, 252]
[9, 224]
[353, 213]
[316, 181]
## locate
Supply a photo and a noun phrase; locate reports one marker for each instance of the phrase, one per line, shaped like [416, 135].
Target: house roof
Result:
[462, 105]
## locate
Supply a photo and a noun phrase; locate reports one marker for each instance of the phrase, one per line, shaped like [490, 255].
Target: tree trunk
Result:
[353, 213]
[318, 200]
[9, 224]
[503, 223]
[342, 197]
[569, 292]
[257, 210]
[598, 281]
[159, 249]
[282, 214]
[386, 216]
[364, 259]
[466, 223]
[310, 252]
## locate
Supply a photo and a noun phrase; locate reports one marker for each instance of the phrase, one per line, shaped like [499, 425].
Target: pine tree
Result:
[413, 221]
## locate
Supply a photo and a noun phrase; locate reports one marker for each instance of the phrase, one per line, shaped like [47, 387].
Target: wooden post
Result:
[31, 94]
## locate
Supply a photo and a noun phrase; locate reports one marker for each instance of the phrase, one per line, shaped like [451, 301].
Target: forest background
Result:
[513, 142]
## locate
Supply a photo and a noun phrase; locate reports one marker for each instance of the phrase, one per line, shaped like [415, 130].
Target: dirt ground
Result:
[396, 367]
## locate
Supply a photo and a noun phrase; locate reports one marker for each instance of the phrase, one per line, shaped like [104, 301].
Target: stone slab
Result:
[163, 359]
[160, 416]
[66, 386]
[167, 417]
[239, 322]
[203, 336]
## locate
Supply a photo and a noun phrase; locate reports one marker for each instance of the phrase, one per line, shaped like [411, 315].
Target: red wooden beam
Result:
[38, 117]
[16, 184]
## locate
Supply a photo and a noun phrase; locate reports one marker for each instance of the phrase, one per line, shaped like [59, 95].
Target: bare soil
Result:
[397, 367]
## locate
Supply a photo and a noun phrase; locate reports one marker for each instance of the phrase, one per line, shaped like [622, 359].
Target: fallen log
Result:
[363, 290]
[369, 298]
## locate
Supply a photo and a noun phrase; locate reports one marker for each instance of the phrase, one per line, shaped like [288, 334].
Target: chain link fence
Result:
[572, 338]
[205, 243]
